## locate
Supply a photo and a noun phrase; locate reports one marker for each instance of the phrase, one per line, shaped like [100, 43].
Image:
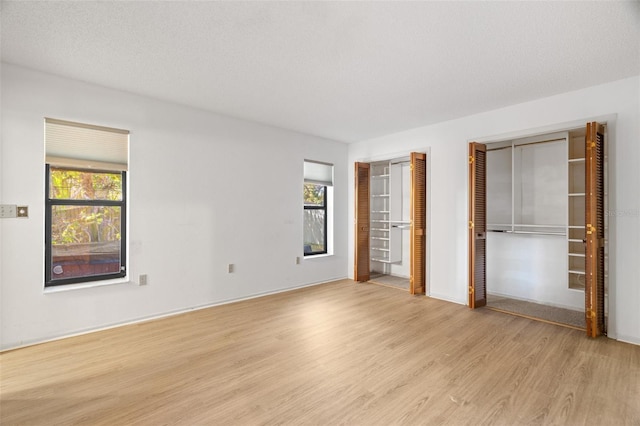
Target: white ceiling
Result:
[348, 71]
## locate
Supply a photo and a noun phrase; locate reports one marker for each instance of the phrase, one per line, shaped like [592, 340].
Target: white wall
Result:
[447, 277]
[205, 191]
[531, 267]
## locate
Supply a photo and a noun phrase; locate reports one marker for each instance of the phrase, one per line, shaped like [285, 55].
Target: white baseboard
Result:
[447, 298]
[627, 339]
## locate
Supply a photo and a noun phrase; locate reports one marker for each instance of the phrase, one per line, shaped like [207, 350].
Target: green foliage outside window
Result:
[80, 185]
[313, 194]
[85, 224]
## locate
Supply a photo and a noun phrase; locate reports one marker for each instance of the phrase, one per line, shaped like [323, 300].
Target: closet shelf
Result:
[379, 195]
[379, 176]
[379, 229]
[522, 225]
[576, 194]
[379, 211]
[576, 160]
[575, 240]
[375, 259]
[379, 249]
[577, 254]
[577, 272]
[380, 238]
[519, 228]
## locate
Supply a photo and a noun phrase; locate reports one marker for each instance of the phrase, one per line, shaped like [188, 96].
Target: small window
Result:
[85, 215]
[315, 219]
[318, 181]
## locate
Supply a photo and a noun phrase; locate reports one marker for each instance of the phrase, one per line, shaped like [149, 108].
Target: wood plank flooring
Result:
[338, 353]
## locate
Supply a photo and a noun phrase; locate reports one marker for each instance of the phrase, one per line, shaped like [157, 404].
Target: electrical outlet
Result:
[297, 260]
[22, 211]
[142, 279]
[230, 268]
[7, 210]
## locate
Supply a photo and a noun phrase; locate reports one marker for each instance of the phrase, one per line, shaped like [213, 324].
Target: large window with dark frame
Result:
[318, 179]
[85, 202]
[315, 219]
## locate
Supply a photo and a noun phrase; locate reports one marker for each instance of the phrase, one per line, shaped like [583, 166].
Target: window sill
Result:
[317, 256]
[80, 286]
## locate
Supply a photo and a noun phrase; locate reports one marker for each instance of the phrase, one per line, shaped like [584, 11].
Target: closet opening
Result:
[391, 222]
[538, 229]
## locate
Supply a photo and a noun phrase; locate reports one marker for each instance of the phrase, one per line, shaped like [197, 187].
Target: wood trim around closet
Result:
[594, 229]
[417, 266]
[361, 267]
[477, 225]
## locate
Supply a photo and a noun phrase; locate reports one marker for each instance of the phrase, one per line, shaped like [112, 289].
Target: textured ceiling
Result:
[343, 70]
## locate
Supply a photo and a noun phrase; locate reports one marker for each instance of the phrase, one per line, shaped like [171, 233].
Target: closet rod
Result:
[525, 144]
[528, 232]
[538, 142]
[498, 149]
[401, 226]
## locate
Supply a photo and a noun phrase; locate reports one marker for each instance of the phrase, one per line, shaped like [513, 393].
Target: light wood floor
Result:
[339, 353]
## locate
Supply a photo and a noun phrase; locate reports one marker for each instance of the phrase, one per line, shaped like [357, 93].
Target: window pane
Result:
[314, 226]
[85, 241]
[314, 194]
[82, 185]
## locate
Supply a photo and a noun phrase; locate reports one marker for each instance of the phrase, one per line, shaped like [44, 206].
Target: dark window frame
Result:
[323, 207]
[50, 202]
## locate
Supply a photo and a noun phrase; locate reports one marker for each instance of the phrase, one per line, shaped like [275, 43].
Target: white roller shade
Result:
[318, 173]
[78, 145]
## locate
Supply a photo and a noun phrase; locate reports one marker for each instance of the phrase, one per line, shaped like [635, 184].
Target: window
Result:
[318, 182]
[86, 195]
[315, 219]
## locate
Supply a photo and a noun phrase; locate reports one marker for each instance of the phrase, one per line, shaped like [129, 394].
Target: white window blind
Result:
[77, 145]
[318, 173]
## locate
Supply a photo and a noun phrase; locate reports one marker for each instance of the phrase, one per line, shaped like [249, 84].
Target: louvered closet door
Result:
[594, 203]
[362, 209]
[418, 222]
[477, 225]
